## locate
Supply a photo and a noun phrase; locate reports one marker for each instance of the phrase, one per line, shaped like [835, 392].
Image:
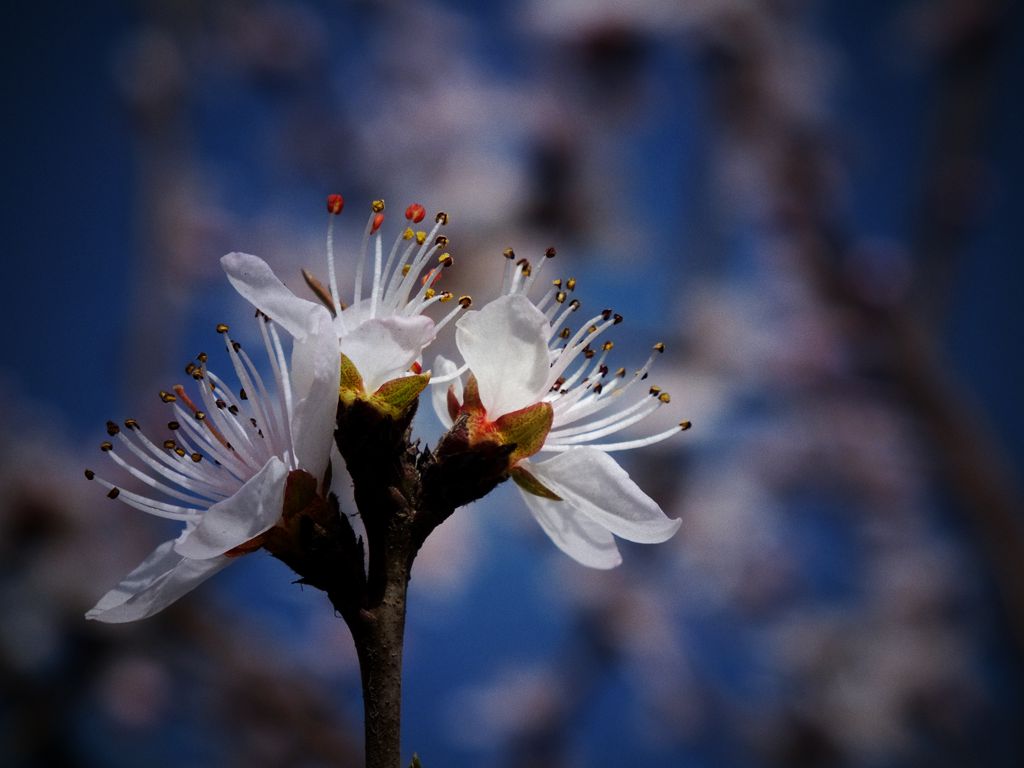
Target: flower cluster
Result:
[527, 383]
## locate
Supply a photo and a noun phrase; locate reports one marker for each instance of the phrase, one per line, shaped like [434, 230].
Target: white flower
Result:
[536, 383]
[224, 472]
[384, 332]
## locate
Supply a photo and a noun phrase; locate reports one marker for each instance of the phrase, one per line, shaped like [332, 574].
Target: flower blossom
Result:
[224, 471]
[535, 383]
[382, 332]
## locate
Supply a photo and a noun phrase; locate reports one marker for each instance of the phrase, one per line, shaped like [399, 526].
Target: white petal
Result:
[253, 509]
[439, 392]
[257, 283]
[315, 373]
[592, 482]
[505, 345]
[159, 580]
[574, 533]
[384, 348]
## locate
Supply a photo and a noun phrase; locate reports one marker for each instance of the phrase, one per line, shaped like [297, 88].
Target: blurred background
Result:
[814, 204]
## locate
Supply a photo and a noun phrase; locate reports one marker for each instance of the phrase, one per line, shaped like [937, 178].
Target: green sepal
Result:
[531, 484]
[394, 397]
[527, 428]
[299, 493]
[351, 385]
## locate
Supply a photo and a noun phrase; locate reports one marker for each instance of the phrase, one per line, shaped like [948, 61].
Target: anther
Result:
[377, 206]
[598, 388]
[415, 213]
[106, 446]
[550, 252]
[446, 297]
[421, 237]
[665, 397]
[235, 345]
[113, 493]
[588, 353]
[200, 416]
[222, 328]
[557, 283]
[173, 425]
[335, 203]
[89, 474]
[429, 293]
[180, 452]
[525, 264]
[112, 428]
[605, 314]
[509, 254]
[571, 283]
[441, 241]
[202, 357]
[592, 329]
[242, 395]
[408, 234]
[170, 445]
[446, 259]
[233, 410]
[465, 301]
[131, 424]
[560, 297]
[607, 346]
[253, 422]
[659, 347]
[197, 457]
[565, 333]
[575, 304]
[190, 369]
[441, 218]
[684, 425]
[621, 373]
[220, 404]
[654, 390]
[618, 319]
[378, 219]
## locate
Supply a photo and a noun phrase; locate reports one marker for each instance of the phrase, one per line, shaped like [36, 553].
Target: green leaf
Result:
[531, 484]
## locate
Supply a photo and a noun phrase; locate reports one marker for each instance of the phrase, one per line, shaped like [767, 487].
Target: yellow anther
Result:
[607, 346]
[571, 284]
[560, 297]
[665, 397]
[429, 293]
[557, 282]
[421, 237]
[222, 328]
[565, 333]
[441, 218]
[408, 234]
[465, 301]
[180, 451]
[654, 390]
[377, 206]
[509, 254]
[659, 347]
[446, 259]
[684, 425]
[405, 269]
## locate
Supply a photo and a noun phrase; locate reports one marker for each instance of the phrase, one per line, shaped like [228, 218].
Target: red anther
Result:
[430, 279]
[335, 203]
[416, 368]
[415, 213]
[378, 219]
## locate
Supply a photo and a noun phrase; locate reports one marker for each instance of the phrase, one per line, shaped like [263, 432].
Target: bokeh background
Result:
[814, 204]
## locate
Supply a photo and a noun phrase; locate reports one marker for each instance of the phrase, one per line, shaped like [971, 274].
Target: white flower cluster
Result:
[526, 379]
